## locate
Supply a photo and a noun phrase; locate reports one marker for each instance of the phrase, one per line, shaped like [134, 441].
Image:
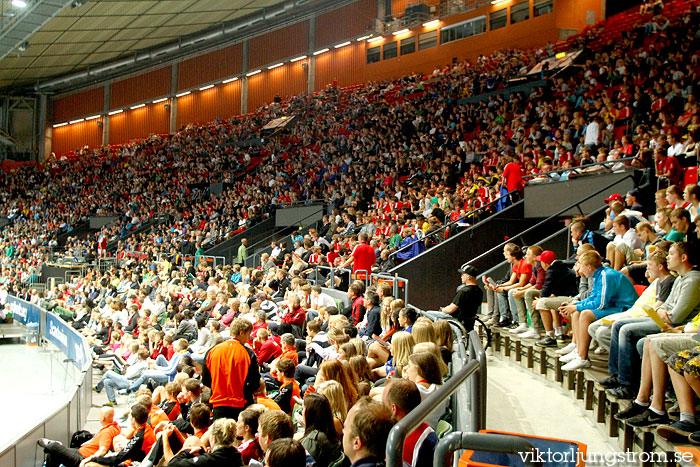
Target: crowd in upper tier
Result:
[383, 153]
[195, 343]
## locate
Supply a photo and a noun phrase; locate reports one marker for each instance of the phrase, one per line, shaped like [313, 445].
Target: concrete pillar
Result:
[44, 131]
[382, 10]
[244, 78]
[105, 119]
[173, 100]
[311, 69]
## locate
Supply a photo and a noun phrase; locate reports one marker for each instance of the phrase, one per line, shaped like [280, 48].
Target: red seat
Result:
[690, 176]
[640, 289]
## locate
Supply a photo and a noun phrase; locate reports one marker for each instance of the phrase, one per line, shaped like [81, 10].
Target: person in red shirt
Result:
[289, 388]
[512, 177]
[292, 321]
[362, 257]
[668, 167]
[266, 347]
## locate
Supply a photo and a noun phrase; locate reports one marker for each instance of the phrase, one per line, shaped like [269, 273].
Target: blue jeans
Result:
[161, 361]
[156, 375]
[503, 310]
[112, 381]
[624, 360]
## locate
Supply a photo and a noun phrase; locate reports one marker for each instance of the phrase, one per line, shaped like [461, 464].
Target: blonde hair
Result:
[334, 393]
[360, 346]
[223, 432]
[385, 317]
[337, 321]
[423, 330]
[591, 258]
[402, 344]
[444, 335]
[397, 304]
[430, 347]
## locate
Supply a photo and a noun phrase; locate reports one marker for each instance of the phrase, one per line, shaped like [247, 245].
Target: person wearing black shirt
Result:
[468, 299]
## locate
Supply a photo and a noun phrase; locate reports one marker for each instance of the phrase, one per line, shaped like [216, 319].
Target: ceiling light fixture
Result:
[276, 65]
[360, 39]
[77, 121]
[137, 106]
[322, 51]
[183, 94]
[375, 39]
[204, 88]
[253, 73]
[230, 80]
[342, 44]
[92, 117]
[19, 3]
[60, 124]
[298, 58]
[163, 99]
[432, 23]
[115, 112]
[403, 31]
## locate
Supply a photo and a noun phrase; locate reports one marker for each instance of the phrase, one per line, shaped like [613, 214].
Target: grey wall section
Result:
[433, 275]
[229, 248]
[97, 222]
[549, 198]
[290, 216]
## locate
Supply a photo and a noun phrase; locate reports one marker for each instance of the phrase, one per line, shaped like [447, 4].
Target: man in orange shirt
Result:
[231, 371]
[99, 445]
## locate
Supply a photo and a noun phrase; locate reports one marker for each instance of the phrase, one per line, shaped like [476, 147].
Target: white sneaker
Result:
[600, 351]
[566, 349]
[576, 364]
[491, 322]
[521, 328]
[529, 334]
[568, 357]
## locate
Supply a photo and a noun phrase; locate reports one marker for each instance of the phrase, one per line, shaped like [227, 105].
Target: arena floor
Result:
[31, 387]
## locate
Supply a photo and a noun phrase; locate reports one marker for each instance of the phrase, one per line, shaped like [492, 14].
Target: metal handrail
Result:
[553, 216]
[484, 442]
[577, 169]
[451, 223]
[397, 435]
[475, 367]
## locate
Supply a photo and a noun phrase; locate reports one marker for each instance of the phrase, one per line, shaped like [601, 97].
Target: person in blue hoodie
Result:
[612, 293]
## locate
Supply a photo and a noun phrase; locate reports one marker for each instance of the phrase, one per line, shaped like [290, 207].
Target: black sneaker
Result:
[563, 338]
[694, 437]
[621, 392]
[609, 382]
[632, 410]
[677, 430]
[504, 323]
[647, 418]
[547, 341]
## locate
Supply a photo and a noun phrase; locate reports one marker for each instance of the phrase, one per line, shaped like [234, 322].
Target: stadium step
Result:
[582, 386]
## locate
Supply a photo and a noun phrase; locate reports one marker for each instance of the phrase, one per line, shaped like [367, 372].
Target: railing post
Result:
[489, 442]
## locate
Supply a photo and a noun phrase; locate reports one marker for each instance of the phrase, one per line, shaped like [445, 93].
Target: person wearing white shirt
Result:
[675, 148]
[621, 250]
[592, 137]
[318, 299]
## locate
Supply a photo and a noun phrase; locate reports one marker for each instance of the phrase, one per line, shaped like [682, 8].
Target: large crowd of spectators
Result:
[282, 369]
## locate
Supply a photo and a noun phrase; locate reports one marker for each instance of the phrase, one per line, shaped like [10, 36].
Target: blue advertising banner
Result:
[22, 311]
[66, 339]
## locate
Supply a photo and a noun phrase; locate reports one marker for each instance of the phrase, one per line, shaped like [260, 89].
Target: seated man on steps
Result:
[612, 293]
[653, 296]
[681, 306]
[548, 305]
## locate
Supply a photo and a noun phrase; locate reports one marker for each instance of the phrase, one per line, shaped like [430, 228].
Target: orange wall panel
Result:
[526, 34]
[348, 21]
[140, 88]
[571, 14]
[279, 44]
[81, 104]
[346, 65]
[210, 67]
[222, 101]
[398, 7]
[285, 81]
[138, 123]
[71, 137]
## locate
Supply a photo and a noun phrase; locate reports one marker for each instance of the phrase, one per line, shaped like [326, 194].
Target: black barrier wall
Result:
[433, 275]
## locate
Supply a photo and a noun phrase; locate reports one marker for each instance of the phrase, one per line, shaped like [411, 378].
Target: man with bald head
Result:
[98, 445]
